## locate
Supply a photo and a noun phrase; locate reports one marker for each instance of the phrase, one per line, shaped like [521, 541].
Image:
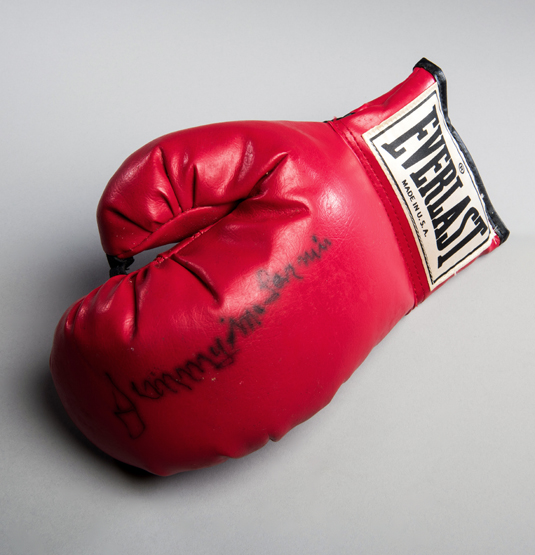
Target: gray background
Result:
[430, 447]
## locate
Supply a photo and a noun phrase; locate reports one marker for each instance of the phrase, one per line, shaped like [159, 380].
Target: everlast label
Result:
[434, 185]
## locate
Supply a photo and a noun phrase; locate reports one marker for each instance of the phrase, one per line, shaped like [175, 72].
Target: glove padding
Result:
[293, 256]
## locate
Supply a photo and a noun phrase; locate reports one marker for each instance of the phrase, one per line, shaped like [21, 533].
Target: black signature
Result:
[219, 355]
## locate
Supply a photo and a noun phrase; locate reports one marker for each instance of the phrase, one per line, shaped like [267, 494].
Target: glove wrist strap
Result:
[426, 179]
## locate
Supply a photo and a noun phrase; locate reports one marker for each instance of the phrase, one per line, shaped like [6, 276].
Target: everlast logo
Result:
[436, 188]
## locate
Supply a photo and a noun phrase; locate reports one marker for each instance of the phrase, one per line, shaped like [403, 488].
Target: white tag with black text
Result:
[434, 184]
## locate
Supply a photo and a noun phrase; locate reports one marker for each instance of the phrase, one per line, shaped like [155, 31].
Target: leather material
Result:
[290, 260]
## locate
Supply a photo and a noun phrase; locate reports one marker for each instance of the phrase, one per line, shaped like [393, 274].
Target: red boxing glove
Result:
[296, 248]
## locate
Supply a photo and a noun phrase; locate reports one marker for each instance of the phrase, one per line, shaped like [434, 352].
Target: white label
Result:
[434, 184]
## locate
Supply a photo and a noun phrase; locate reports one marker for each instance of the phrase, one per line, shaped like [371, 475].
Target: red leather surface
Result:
[352, 128]
[289, 263]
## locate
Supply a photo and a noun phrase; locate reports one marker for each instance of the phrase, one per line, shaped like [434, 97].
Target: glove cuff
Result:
[425, 177]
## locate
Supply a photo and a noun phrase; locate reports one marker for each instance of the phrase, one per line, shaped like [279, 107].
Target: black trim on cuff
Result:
[499, 227]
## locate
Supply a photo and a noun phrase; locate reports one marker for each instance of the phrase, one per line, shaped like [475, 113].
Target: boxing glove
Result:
[295, 248]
